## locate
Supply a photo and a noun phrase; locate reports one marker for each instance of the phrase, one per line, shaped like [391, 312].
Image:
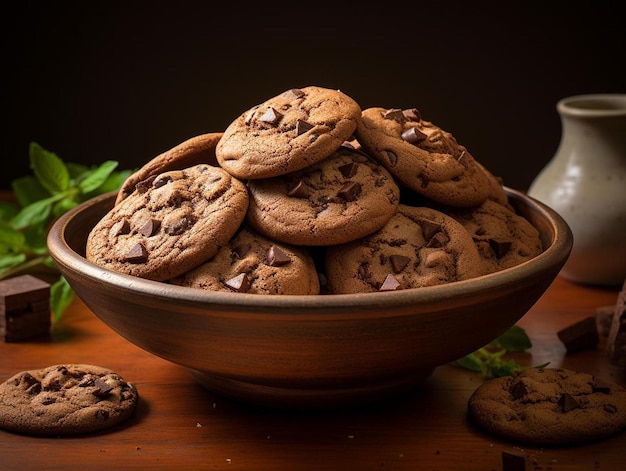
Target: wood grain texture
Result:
[180, 425]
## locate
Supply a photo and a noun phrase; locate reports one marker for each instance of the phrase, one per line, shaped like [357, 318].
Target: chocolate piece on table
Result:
[580, 335]
[513, 461]
[24, 308]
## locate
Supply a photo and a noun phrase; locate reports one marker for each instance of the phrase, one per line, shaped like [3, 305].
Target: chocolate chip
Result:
[567, 402]
[429, 228]
[395, 114]
[302, 127]
[138, 254]
[240, 283]
[390, 283]
[34, 389]
[437, 241]
[121, 228]
[500, 247]
[391, 157]
[176, 226]
[150, 227]
[349, 170]
[145, 185]
[276, 257]
[610, 408]
[349, 191]
[241, 250]
[398, 262]
[48, 400]
[600, 386]
[102, 388]
[412, 114]
[518, 390]
[162, 180]
[299, 190]
[293, 93]
[271, 116]
[102, 415]
[413, 136]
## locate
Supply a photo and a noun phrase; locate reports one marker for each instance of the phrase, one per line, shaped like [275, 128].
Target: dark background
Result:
[93, 81]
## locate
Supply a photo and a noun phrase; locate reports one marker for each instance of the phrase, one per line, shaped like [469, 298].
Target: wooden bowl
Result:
[307, 352]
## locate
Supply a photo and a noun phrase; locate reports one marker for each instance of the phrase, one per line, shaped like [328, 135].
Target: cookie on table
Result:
[167, 227]
[423, 156]
[503, 238]
[288, 132]
[418, 247]
[252, 263]
[196, 150]
[345, 196]
[65, 400]
[548, 407]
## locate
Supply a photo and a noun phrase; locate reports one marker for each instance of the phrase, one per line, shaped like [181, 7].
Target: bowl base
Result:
[294, 398]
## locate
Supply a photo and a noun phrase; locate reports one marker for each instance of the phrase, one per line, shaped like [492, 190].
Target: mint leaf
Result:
[61, 296]
[49, 169]
[97, 176]
[27, 190]
[34, 213]
[513, 340]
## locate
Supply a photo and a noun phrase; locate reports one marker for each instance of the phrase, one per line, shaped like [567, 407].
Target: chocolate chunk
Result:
[298, 190]
[610, 408]
[276, 257]
[177, 226]
[102, 415]
[350, 191]
[349, 170]
[241, 250]
[600, 386]
[144, 185]
[518, 390]
[48, 400]
[102, 388]
[395, 114]
[567, 402]
[240, 283]
[429, 228]
[162, 180]
[513, 461]
[121, 228]
[271, 116]
[391, 157]
[413, 136]
[412, 114]
[138, 254]
[580, 335]
[398, 262]
[390, 283]
[302, 127]
[500, 247]
[293, 93]
[150, 228]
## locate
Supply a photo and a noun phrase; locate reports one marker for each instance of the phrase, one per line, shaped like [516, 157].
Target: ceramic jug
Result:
[585, 182]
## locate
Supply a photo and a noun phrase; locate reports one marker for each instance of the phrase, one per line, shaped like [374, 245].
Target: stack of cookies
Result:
[307, 193]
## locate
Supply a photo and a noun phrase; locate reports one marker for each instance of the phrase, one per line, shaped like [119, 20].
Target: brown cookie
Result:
[196, 150]
[288, 132]
[550, 406]
[503, 238]
[65, 400]
[422, 156]
[252, 263]
[417, 247]
[345, 196]
[167, 227]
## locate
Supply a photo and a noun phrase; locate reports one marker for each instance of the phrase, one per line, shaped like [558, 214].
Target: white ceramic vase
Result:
[585, 182]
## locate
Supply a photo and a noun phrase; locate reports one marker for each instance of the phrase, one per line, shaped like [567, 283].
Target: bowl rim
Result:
[553, 256]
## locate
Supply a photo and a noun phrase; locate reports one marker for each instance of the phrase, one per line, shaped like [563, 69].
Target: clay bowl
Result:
[306, 352]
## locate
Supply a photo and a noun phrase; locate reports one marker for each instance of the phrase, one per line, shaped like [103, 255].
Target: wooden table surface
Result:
[179, 425]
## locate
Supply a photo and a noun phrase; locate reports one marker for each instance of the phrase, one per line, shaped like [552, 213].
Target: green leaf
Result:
[11, 260]
[8, 211]
[97, 176]
[514, 340]
[27, 190]
[35, 213]
[471, 362]
[11, 239]
[61, 296]
[49, 169]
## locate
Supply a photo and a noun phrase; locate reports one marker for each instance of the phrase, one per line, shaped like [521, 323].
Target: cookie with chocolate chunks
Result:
[550, 406]
[193, 151]
[288, 132]
[504, 238]
[417, 247]
[423, 157]
[175, 222]
[344, 197]
[252, 263]
[65, 400]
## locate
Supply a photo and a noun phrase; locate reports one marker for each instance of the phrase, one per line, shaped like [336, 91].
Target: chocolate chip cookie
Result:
[288, 132]
[170, 224]
[550, 406]
[423, 156]
[252, 263]
[196, 150]
[503, 238]
[65, 400]
[345, 196]
[417, 247]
